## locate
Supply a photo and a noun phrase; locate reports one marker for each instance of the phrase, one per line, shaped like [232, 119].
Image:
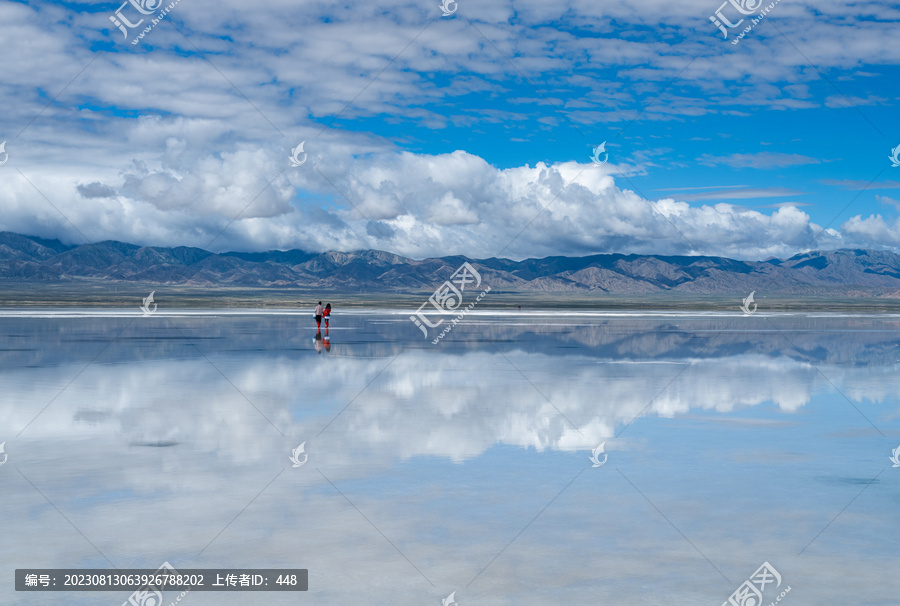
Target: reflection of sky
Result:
[748, 449]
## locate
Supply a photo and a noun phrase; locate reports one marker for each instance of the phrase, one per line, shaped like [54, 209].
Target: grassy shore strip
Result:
[125, 295]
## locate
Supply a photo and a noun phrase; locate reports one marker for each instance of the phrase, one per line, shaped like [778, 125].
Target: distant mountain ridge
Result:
[838, 272]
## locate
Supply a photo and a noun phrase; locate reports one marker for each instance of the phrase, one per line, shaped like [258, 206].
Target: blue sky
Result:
[466, 134]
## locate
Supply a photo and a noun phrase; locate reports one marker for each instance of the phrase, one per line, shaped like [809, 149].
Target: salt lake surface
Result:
[465, 467]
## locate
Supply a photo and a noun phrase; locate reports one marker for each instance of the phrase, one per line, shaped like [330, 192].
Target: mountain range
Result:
[837, 272]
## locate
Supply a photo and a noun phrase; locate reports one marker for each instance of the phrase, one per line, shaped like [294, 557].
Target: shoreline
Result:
[127, 296]
[569, 314]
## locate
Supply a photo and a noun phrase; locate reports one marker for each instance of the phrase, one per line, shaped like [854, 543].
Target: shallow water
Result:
[458, 467]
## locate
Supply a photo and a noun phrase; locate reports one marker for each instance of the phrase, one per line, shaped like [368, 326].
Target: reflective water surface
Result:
[465, 466]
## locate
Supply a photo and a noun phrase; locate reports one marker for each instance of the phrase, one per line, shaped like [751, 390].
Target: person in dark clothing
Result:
[317, 341]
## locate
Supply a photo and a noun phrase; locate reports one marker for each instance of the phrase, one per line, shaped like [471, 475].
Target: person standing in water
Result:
[318, 313]
[326, 315]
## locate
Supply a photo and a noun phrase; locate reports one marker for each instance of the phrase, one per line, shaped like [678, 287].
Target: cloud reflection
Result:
[422, 404]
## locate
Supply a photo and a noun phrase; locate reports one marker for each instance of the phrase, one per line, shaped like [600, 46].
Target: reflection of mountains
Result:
[859, 341]
[821, 340]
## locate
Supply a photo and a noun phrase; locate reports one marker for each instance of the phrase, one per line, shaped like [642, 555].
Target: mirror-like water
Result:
[463, 466]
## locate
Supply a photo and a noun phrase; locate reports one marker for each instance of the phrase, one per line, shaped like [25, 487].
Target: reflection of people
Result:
[327, 341]
[317, 341]
[318, 313]
[326, 315]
